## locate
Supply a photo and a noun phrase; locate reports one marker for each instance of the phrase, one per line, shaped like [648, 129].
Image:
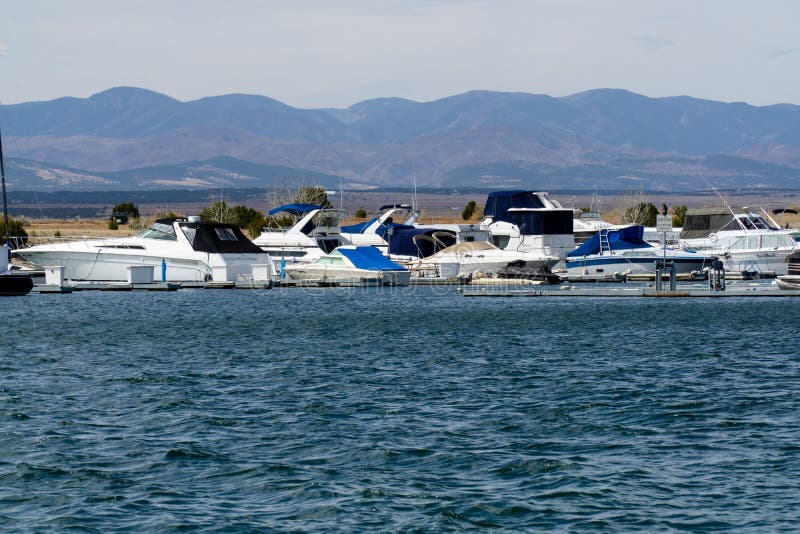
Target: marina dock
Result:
[641, 291]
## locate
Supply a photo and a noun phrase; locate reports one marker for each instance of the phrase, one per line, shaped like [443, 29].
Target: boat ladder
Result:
[604, 244]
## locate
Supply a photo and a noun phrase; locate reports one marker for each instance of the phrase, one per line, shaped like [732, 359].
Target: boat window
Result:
[500, 241]
[739, 244]
[225, 234]
[159, 231]
[189, 232]
[331, 260]
[748, 223]
[777, 241]
[754, 242]
[759, 223]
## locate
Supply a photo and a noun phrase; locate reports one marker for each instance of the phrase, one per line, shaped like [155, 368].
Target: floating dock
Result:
[571, 291]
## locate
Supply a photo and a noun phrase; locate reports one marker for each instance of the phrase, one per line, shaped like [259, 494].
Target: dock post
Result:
[716, 276]
[672, 276]
[658, 269]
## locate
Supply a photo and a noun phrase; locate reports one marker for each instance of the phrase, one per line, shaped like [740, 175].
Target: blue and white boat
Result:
[624, 251]
[352, 266]
[315, 232]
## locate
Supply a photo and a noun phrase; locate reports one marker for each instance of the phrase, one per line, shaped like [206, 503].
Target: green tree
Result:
[242, 216]
[127, 207]
[469, 210]
[678, 216]
[361, 214]
[643, 213]
[216, 212]
[248, 218]
[16, 232]
[312, 194]
[112, 224]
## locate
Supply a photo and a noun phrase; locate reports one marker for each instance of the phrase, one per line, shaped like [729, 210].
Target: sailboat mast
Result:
[5, 201]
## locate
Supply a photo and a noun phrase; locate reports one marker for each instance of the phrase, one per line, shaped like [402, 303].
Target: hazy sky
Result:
[318, 53]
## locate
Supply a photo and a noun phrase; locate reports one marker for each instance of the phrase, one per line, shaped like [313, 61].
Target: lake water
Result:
[394, 409]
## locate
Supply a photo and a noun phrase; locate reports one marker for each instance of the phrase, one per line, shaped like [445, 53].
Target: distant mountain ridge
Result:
[603, 138]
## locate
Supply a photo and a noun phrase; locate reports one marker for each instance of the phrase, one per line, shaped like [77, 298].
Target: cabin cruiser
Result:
[351, 265]
[624, 251]
[529, 222]
[742, 239]
[315, 232]
[190, 250]
[468, 259]
[375, 231]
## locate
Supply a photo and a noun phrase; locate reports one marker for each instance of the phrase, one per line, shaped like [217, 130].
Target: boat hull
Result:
[608, 265]
[113, 267]
[15, 285]
[324, 274]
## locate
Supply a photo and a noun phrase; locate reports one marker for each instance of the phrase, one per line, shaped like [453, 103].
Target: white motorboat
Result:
[183, 250]
[351, 265]
[529, 222]
[315, 233]
[624, 251]
[473, 258]
[742, 239]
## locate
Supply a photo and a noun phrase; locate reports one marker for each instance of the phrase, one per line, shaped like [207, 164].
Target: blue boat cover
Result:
[622, 239]
[369, 258]
[383, 230]
[357, 228]
[499, 202]
[401, 242]
[295, 209]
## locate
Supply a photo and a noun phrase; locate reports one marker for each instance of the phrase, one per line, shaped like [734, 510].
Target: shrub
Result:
[678, 216]
[128, 208]
[361, 214]
[16, 232]
[643, 213]
[469, 210]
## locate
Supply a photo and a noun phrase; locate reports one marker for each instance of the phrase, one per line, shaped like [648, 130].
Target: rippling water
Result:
[396, 409]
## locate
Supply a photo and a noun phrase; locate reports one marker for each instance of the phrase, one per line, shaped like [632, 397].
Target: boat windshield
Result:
[159, 231]
[759, 222]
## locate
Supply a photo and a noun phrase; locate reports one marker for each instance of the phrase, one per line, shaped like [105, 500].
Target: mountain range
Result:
[131, 138]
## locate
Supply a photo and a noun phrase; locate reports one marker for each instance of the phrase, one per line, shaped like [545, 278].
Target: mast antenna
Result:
[5, 200]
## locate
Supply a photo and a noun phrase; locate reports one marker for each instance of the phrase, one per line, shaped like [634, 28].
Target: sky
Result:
[320, 53]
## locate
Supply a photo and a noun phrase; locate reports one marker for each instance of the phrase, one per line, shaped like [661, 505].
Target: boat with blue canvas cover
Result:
[624, 251]
[351, 265]
[375, 231]
[314, 233]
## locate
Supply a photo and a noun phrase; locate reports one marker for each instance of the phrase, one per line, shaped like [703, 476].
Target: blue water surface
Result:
[397, 409]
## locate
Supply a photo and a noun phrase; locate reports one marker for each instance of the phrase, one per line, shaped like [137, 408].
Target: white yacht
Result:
[530, 222]
[624, 251]
[466, 259]
[351, 265]
[315, 233]
[742, 239]
[191, 251]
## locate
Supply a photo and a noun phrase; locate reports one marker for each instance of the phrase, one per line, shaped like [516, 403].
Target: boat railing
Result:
[33, 240]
